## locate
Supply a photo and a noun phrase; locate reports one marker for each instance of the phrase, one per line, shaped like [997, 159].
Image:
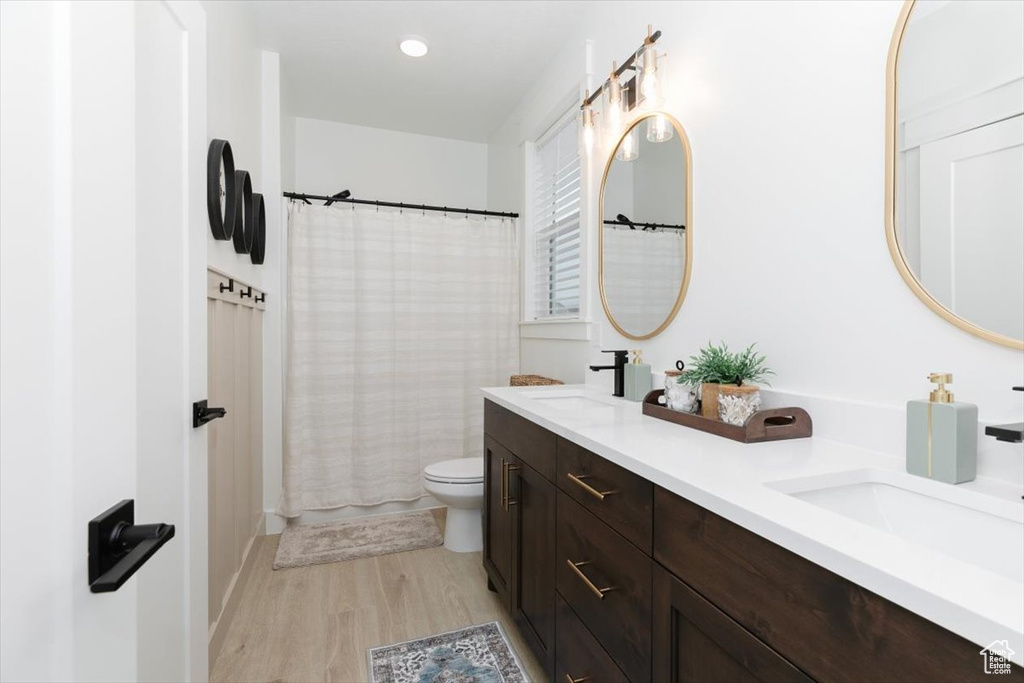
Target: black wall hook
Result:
[230, 287]
[247, 292]
[202, 413]
[260, 298]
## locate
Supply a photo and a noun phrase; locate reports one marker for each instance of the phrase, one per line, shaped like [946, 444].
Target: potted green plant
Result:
[720, 372]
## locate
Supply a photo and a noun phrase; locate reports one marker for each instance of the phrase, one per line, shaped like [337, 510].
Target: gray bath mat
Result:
[351, 539]
[478, 654]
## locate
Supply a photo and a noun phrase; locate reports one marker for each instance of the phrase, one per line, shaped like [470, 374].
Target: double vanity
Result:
[631, 549]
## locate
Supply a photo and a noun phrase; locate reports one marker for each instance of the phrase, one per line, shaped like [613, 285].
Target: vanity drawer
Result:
[622, 499]
[831, 628]
[580, 656]
[530, 442]
[607, 583]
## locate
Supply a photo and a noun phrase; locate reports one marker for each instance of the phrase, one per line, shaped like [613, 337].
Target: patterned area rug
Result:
[478, 654]
[336, 541]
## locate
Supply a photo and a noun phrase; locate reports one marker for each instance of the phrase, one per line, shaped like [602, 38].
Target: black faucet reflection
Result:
[620, 371]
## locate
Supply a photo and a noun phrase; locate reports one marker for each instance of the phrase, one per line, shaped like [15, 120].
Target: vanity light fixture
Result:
[629, 148]
[643, 60]
[587, 129]
[659, 129]
[414, 46]
[614, 107]
[650, 85]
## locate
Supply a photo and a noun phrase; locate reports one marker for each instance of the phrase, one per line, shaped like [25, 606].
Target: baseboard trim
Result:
[219, 628]
[277, 523]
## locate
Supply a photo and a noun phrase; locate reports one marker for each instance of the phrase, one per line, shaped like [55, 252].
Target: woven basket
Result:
[532, 381]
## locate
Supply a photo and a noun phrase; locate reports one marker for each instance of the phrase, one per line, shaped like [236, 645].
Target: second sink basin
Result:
[979, 529]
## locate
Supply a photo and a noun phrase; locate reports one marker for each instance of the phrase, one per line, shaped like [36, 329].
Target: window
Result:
[556, 223]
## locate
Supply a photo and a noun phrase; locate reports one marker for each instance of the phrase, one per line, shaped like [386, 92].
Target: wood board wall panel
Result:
[242, 414]
[222, 453]
[256, 421]
[235, 331]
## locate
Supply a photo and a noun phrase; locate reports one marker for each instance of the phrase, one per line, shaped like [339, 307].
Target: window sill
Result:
[571, 330]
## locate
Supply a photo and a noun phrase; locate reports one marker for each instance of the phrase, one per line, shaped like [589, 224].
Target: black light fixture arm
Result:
[626, 65]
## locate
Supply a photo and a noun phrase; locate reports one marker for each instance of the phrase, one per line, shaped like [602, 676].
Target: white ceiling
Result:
[340, 60]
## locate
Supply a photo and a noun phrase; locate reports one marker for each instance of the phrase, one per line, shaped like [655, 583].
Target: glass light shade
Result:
[659, 129]
[587, 132]
[629, 148]
[614, 109]
[650, 84]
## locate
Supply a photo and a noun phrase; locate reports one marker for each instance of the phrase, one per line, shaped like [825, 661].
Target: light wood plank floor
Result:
[315, 623]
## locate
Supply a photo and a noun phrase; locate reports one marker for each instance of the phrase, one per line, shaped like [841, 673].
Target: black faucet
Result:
[1014, 433]
[620, 371]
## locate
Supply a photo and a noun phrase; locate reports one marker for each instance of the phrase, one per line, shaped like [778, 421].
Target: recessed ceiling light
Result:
[414, 46]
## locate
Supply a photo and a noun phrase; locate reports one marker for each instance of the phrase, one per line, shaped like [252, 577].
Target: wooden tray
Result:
[774, 424]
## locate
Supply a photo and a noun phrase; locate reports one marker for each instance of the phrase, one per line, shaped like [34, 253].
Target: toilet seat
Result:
[457, 471]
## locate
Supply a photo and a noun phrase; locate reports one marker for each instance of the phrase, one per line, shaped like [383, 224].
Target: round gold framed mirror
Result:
[954, 165]
[645, 235]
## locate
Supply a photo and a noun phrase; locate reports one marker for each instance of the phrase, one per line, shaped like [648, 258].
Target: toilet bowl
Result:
[459, 484]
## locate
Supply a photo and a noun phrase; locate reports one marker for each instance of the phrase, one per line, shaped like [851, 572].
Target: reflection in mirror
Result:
[645, 240]
[958, 213]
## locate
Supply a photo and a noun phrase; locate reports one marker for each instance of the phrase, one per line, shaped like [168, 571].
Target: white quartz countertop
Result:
[729, 478]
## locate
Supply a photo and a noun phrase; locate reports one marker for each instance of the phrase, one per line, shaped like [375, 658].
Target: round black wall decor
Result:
[259, 238]
[221, 200]
[243, 212]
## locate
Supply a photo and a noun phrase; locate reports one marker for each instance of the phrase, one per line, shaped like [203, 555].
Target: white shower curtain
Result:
[395, 321]
[643, 271]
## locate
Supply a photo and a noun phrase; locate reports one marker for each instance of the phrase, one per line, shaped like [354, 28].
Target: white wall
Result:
[388, 165]
[233, 106]
[784, 104]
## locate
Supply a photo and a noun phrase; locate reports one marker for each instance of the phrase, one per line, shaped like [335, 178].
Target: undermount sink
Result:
[976, 528]
[568, 399]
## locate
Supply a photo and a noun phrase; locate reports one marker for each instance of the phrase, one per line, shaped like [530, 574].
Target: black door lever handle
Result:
[118, 546]
[202, 413]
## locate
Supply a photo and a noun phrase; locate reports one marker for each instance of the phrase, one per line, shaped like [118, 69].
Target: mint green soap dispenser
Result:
[942, 435]
[638, 377]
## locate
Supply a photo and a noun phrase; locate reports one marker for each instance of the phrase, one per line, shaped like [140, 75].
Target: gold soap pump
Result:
[638, 381]
[940, 395]
[942, 435]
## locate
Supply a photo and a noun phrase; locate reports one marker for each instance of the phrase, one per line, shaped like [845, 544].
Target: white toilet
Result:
[459, 484]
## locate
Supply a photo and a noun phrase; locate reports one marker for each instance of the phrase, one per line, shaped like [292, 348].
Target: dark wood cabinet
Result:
[519, 542]
[694, 642]
[610, 578]
[607, 583]
[579, 656]
[532, 503]
[497, 521]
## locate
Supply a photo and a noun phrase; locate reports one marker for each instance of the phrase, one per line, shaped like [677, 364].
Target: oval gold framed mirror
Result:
[954, 166]
[645, 235]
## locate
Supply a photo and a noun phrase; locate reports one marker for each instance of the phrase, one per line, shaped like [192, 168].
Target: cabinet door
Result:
[497, 520]
[694, 642]
[532, 501]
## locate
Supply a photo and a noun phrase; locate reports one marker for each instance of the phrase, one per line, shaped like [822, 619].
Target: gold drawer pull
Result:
[504, 484]
[570, 679]
[578, 480]
[599, 592]
[509, 468]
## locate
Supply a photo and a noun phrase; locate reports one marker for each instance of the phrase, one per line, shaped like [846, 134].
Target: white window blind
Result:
[556, 223]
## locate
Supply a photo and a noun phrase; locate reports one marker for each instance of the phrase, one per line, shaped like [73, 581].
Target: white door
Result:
[972, 224]
[102, 333]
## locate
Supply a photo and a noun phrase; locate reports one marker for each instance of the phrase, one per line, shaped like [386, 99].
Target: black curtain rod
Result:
[631, 224]
[396, 205]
